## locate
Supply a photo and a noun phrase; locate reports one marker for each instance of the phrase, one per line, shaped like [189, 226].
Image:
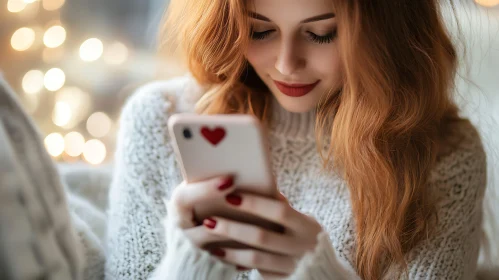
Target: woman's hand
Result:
[186, 196]
[278, 254]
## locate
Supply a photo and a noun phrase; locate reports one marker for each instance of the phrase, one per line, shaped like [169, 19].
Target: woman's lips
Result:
[295, 90]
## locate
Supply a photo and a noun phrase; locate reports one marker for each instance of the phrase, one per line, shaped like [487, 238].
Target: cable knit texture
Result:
[146, 172]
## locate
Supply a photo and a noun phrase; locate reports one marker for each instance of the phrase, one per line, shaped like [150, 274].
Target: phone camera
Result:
[187, 133]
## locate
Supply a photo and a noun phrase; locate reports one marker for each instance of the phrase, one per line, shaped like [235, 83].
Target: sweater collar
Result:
[299, 126]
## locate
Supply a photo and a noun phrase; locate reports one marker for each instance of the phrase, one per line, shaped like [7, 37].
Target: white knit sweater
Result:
[146, 172]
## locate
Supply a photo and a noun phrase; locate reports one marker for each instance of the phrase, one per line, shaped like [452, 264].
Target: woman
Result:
[382, 178]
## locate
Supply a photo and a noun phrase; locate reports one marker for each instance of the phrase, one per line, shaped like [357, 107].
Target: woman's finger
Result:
[277, 211]
[201, 236]
[185, 196]
[256, 236]
[271, 263]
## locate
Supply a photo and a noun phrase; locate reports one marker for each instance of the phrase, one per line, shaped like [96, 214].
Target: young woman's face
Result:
[293, 49]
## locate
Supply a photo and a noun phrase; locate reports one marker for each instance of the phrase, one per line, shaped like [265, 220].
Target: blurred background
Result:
[73, 64]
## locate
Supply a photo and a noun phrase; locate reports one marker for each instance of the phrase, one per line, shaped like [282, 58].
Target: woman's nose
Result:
[289, 60]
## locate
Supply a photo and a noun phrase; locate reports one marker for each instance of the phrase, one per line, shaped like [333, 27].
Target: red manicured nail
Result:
[234, 199]
[227, 183]
[241, 268]
[210, 223]
[218, 252]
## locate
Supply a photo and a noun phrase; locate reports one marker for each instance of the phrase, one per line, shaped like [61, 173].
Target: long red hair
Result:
[388, 120]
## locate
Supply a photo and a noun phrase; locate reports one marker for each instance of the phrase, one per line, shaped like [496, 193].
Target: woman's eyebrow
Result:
[312, 19]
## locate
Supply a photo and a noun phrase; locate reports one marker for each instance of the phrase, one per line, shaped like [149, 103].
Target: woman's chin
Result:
[296, 105]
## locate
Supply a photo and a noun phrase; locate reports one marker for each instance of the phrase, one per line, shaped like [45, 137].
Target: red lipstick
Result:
[295, 90]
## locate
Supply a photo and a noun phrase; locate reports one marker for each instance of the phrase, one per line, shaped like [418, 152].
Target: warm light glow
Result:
[54, 143]
[54, 36]
[30, 1]
[79, 102]
[51, 5]
[488, 3]
[54, 79]
[74, 143]
[22, 39]
[30, 103]
[99, 124]
[116, 54]
[52, 55]
[33, 81]
[16, 6]
[91, 49]
[94, 151]
[62, 114]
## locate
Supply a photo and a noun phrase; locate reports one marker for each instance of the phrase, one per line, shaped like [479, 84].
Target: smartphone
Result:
[213, 145]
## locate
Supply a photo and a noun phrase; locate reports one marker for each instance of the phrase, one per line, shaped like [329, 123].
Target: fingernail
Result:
[218, 252]
[227, 183]
[210, 223]
[234, 199]
[241, 268]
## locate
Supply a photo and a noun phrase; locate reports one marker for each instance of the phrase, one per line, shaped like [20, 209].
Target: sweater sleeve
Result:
[144, 176]
[452, 252]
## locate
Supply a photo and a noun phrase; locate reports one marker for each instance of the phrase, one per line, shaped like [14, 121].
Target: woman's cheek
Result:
[259, 54]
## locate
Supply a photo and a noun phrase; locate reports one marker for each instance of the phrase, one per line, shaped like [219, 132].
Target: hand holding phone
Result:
[208, 146]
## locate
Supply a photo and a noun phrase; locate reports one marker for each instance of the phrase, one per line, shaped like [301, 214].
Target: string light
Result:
[78, 101]
[54, 79]
[54, 36]
[62, 114]
[94, 151]
[16, 6]
[54, 143]
[33, 82]
[487, 3]
[22, 39]
[99, 124]
[116, 54]
[74, 144]
[91, 49]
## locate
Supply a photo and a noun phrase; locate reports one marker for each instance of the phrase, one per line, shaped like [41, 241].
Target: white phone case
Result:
[223, 145]
[213, 145]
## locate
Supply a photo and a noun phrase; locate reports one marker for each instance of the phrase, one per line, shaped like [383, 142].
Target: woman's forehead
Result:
[297, 10]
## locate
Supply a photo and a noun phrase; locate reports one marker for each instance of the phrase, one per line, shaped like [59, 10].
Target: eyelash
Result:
[326, 39]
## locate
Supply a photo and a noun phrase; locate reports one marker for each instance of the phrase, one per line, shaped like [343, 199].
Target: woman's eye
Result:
[260, 35]
[326, 39]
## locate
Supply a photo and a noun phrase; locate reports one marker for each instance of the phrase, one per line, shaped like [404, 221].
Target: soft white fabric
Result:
[146, 172]
[37, 235]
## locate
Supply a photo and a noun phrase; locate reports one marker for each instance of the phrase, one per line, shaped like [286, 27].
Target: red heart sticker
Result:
[214, 136]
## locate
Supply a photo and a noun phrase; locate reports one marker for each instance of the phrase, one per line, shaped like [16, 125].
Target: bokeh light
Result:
[22, 39]
[54, 79]
[116, 53]
[30, 1]
[74, 143]
[99, 124]
[94, 151]
[487, 3]
[91, 49]
[54, 143]
[78, 101]
[62, 114]
[54, 36]
[16, 6]
[51, 5]
[33, 81]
